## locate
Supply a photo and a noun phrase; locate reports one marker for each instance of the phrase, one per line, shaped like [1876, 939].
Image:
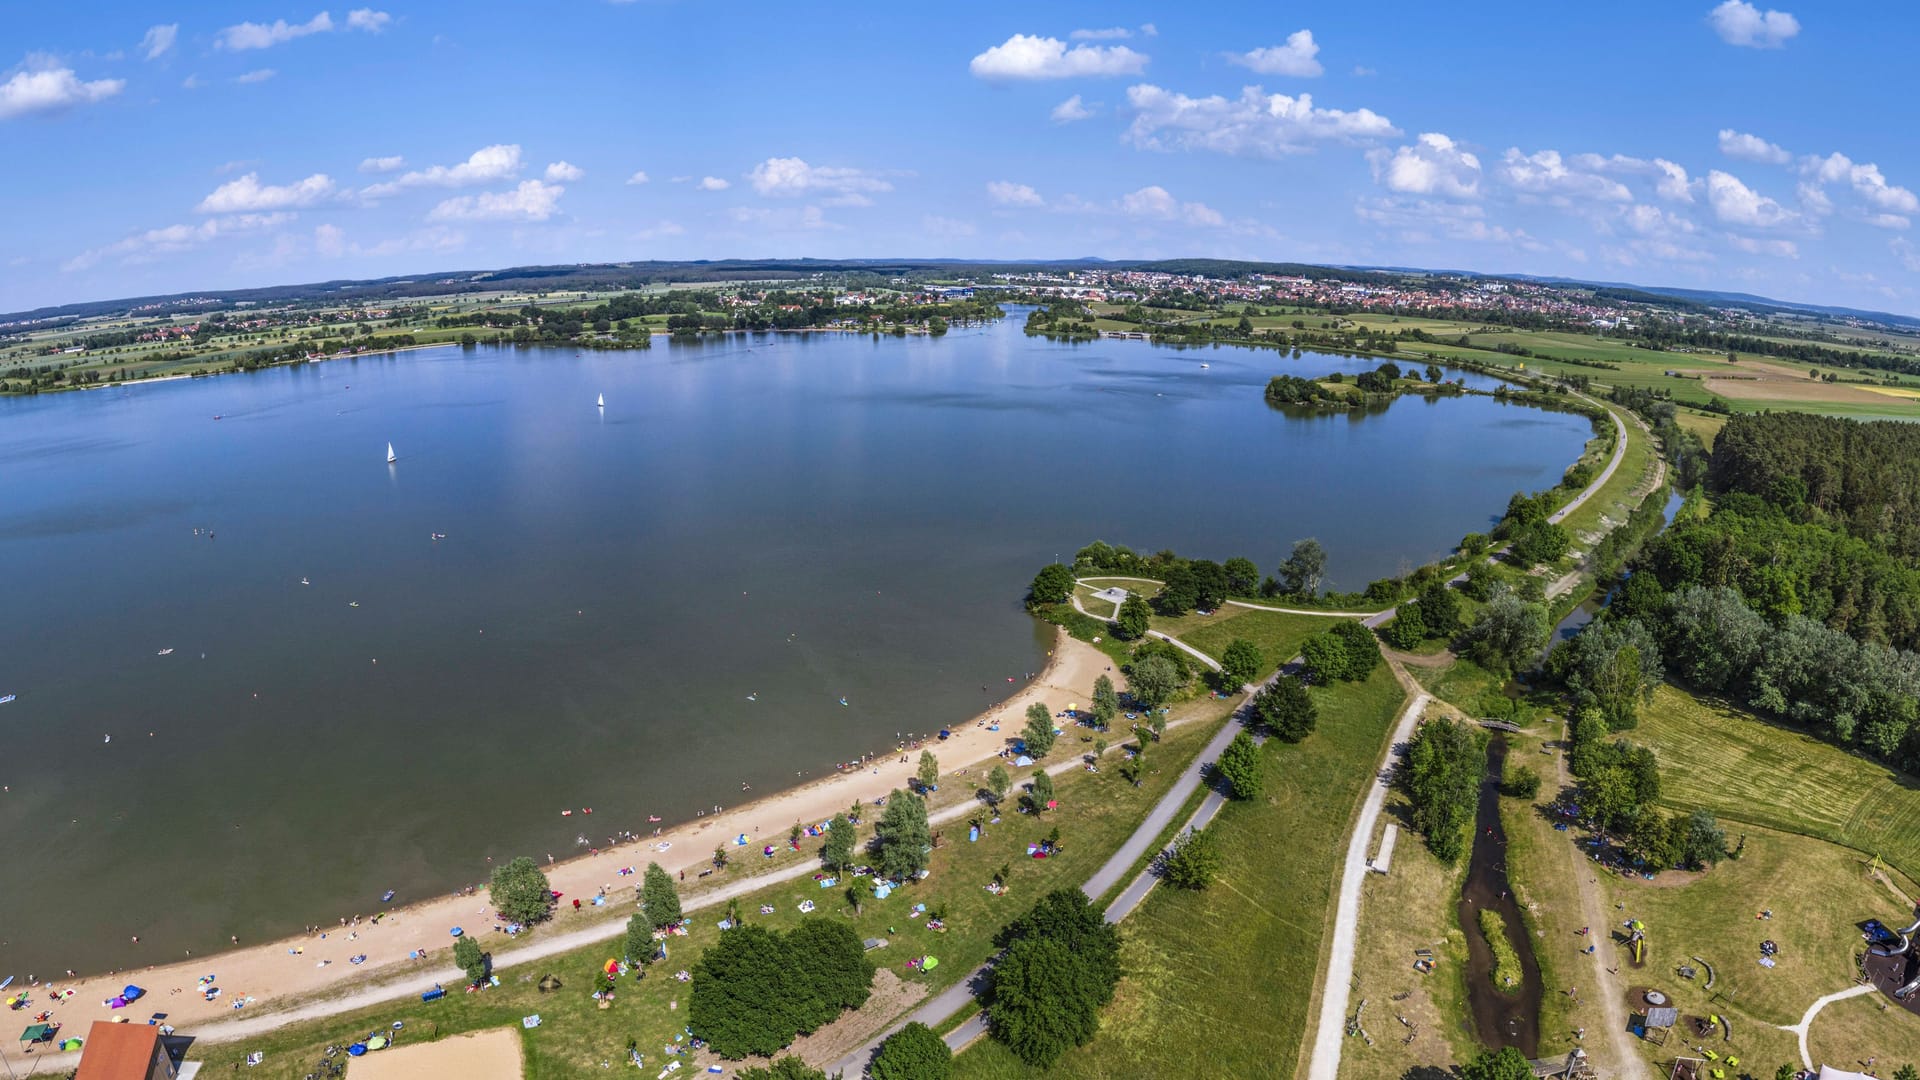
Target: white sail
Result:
[391, 457]
[601, 401]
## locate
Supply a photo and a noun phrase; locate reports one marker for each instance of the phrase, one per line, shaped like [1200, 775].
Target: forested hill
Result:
[1861, 477]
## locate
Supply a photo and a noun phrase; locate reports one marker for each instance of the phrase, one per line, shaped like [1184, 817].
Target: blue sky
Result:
[159, 148]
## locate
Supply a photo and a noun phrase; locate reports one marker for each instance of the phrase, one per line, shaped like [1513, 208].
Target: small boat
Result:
[601, 401]
[4, 701]
[353, 603]
[304, 581]
[391, 456]
[387, 897]
[106, 739]
[843, 701]
[753, 696]
[566, 813]
[165, 652]
[651, 817]
[1206, 365]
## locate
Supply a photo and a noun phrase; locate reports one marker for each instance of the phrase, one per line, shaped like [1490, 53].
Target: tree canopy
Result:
[1441, 777]
[902, 837]
[755, 989]
[659, 897]
[914, 1052]
[520, 891]
[1061, 965]
[1240, 766]
[1286, 709]
[1052, 585]
[1037, 736]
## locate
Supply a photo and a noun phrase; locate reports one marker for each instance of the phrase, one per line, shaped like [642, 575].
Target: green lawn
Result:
[1223, 982]
[1278, 634]
[1097, 812]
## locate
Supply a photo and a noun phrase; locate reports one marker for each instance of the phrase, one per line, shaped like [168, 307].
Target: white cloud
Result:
[1737, 204]
[946, 227]
[1670, 180]
[781, 217]
[1008, 193]
[1866, 180]
[1740, 23]
[1889, 221]
[532, 200]
[252, 35]
[1070, 110]
[1648, 220]
[713, 183]
[329, 241]
[500, 161]
[1295, 58]
[368, 19]
[1423, 220]
[1432, 165]
[248, 194]
[1156, 202]
[1739, 144]
[639, 177]
[382, 164]
[660, 228]
[1025, 56]
[564, 172]
[152, 243]
[1362, 71]
[258, 75]
[43, 88]
[1902, 249]
[1785, 249]
[159, 40]
[1255, 124]
[191, 82]
[1111, 33]
[1545, 173]
[792, 176]
[1149, 30]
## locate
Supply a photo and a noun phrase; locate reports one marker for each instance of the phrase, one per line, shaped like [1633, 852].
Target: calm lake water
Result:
[801, 517]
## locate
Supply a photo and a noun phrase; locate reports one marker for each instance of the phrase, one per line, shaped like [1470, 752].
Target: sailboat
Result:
[601, 401]
[391, 456]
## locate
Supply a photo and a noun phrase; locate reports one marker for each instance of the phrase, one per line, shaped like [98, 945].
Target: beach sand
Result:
[275, 973]
[486, 1055]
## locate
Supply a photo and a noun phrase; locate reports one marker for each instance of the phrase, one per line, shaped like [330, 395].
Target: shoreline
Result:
[304, 965]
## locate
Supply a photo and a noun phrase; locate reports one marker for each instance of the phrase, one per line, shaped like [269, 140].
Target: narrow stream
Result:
[1590, 608]
[1500, 1018]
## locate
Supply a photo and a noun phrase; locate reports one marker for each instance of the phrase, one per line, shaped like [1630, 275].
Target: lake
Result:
[801, 517]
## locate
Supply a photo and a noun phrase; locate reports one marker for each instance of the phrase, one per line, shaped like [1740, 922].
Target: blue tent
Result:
[133, 993]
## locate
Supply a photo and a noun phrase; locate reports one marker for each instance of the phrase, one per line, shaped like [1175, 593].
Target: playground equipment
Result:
[1905, 938]
[1637, 940]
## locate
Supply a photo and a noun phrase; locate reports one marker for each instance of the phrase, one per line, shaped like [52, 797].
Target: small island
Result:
[1367, 390]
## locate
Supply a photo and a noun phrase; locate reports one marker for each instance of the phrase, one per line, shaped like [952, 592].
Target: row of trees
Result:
[755, 989]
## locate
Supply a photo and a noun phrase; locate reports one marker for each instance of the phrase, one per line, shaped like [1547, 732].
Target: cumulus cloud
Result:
[1295, 58]
[159, 40]
[1737, 204]
[1785, 249]
[1424, 220]
[1008, 193]
[248, 194]
[368, 19]
[258, 75]
[1866, 180]
[1070, 110]
[1432, 165]
[639, 177]
[382, 164]
[1670, 180]
[713, 183]
[564, 172]
[44, 88]
[500, 161]
[532, 200]
[1255, 124]
[1025, 56]
[253, 35]
[1740, 23]
[1739, 144]
[1111, 33]
[792, 176]
[153, 243]
[1156, 202]
[1545, 173]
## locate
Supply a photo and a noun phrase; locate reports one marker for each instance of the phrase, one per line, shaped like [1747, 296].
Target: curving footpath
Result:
[1813, 1010]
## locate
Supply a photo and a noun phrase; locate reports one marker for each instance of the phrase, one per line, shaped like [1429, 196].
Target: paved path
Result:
[1813, 1010]
[1606, 474]
[1627, 1061]
[1331, 1031]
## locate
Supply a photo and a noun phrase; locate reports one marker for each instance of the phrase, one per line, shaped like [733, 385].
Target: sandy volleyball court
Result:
[304, 966]
[484, 1055]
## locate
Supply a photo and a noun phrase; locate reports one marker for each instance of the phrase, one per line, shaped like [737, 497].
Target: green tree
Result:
[1304, 569]
[1906, 1072]
[1363, 649]
[473, 961]
[998, 784]
[1286, 709]
[1239, 664]
[1407, 630]
[1239, 765]
[1442, 781]
[1505, 1063]
[1052, 585]
[659, 897]
[1324, 655]
[1042, 792]
[748, 998]
[1060, 969]
[1243, 576]
[639, 943]
[914, 1052]
[1703, 843]
[1439, 609]
[1178, 593]
[520, 891]
[1521, 782]
[929, 771]
[1130, 623]
[1612, 665]
[1154, 679]
[1106, 701]
[1194, 860]
[1540, 542]
[1509, 632]
[1037, 736]
[837, 852]
[902, 837]
[790, 1067]
[832, 963]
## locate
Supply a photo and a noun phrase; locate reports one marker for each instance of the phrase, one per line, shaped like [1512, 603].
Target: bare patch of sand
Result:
[483, 1055]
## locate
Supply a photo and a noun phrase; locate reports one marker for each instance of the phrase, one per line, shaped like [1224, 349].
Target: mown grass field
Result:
[1223, 982]
[1097, 812]
[1746, 769]
[1276, 633]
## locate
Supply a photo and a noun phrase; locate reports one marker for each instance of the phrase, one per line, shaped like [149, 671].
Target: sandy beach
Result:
[305, 966]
